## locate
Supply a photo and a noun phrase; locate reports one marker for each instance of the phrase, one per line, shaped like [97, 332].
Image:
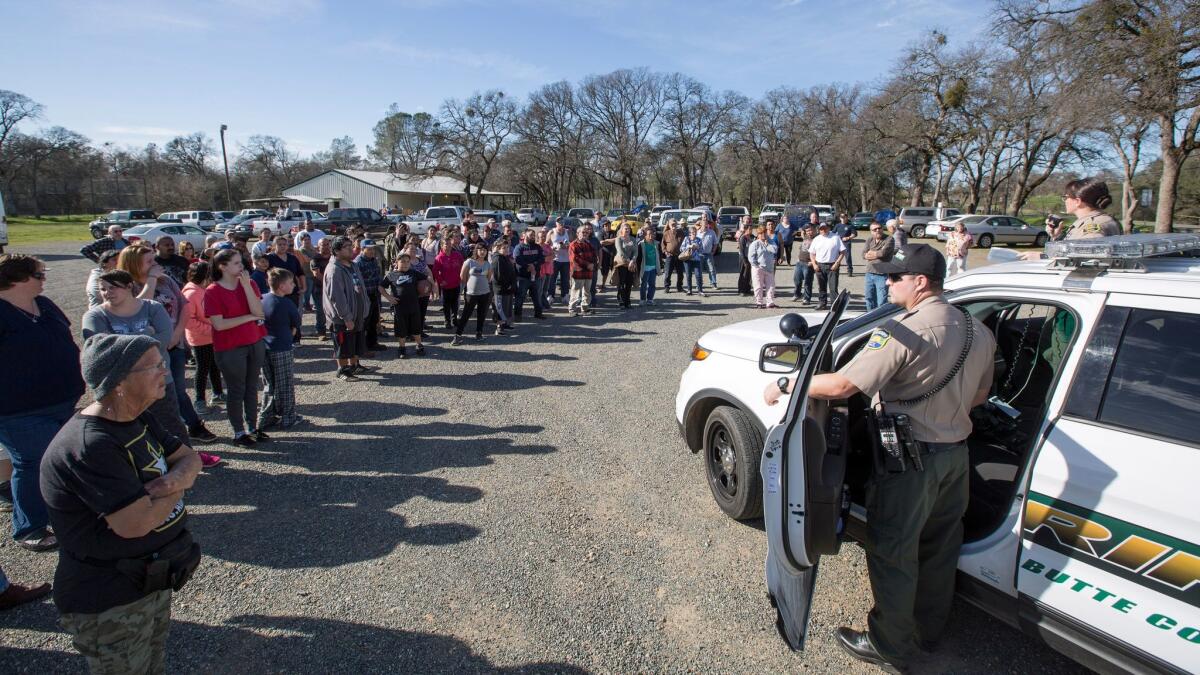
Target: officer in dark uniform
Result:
[914, 517]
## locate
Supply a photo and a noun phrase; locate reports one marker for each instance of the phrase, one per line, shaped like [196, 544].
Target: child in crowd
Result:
[282, 319]
[402, 287]
[504, 285]
[259, 275]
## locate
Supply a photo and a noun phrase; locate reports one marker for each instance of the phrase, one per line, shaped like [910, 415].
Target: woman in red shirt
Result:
[447, 270]
[234, 307]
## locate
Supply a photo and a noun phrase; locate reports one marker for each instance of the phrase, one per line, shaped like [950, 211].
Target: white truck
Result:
[1081, 528]
[292, 218]
[437, 217]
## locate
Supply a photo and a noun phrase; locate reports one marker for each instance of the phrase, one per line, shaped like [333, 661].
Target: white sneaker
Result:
[649, 302]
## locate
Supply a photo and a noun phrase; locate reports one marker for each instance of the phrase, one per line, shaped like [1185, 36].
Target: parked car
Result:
[500, 215]
[340, 220]
[240, 220]
[1080, 528]
[440, 217]
[796, 214]
[729, 217]
[862, 220]
[223, 216]
[204, 220]
[824, 212]
[656, 213]
[180, 232]
[258, 213]
[914, 219]
[126, 219]
[532, 216]
[582, 215]
[988, 230]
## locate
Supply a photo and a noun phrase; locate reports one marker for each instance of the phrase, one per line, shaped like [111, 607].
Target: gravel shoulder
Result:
[521, 504]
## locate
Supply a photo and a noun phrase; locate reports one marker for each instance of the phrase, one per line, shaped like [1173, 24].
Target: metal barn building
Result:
[374, 189]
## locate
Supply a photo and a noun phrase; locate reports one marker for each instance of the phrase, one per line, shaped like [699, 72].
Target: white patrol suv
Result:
[1082, 525]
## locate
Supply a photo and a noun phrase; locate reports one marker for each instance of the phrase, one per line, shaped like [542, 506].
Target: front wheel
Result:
[97, 232]
[985, 241]
[918, 232]
[732, 452]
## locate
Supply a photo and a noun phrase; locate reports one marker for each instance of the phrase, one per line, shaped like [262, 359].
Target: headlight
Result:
[699, 353]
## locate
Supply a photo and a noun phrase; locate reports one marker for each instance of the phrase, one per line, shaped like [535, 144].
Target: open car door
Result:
[803, 471]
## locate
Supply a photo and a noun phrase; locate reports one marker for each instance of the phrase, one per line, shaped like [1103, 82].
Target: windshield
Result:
[525, 211]
[773, 207]
[141, 215]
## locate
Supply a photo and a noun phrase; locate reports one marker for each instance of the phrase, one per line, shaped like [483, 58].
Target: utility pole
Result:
[225, 159]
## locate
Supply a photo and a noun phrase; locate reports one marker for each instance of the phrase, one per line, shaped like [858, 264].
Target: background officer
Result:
[914, 518]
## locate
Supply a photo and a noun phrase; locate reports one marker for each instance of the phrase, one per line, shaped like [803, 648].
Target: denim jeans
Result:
[3, 581]
[876, 290]
[562, 272]
[802, 279]
[649, 282]
[541, 291]
[26, 437]
[710, 263]
[527, 287]
[695, 267]
[178, 374]
[319, 306]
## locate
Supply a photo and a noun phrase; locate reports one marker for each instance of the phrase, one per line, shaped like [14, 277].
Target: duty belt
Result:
[928, 448]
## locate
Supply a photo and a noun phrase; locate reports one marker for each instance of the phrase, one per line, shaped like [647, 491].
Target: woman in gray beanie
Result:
[113, 479]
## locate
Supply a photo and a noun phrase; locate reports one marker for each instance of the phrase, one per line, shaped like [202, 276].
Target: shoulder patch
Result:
[879, 338]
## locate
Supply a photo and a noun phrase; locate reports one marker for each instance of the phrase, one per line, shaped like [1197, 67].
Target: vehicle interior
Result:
[1032, 341]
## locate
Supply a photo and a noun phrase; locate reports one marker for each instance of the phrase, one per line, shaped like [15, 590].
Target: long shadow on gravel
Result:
[295, 520]
[284, 644]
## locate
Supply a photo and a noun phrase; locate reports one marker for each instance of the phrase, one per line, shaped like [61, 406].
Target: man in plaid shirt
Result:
[582, 257]
[367, 263]
[115, 241]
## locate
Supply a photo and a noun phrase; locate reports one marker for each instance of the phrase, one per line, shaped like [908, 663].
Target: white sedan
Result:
[180, 232]
[988, 230]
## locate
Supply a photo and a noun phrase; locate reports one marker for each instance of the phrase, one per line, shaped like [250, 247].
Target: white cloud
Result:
[148, 132]
[500, 64]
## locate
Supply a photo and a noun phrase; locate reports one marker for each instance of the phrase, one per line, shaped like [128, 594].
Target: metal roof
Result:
[411, 184]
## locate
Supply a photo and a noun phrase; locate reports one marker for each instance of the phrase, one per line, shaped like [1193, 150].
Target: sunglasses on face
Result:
[897, 277]
[40, 276]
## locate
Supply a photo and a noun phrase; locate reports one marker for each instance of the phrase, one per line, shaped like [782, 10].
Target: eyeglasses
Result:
[897, 277]
[161, 365]
[40, 276]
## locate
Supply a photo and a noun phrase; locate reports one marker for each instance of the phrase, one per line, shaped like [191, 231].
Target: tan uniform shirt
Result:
[1095, 225]
[908, 356]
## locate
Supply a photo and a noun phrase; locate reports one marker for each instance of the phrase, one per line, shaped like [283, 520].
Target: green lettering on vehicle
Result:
[1161, 621]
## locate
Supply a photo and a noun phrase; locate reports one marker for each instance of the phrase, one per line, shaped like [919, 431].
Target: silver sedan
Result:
[993, 229]
[180, 232]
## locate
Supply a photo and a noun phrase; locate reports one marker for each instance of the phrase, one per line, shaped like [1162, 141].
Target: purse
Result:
[685, 256]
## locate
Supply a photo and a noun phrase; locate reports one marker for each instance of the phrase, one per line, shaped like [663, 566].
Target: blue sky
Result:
[137, 71]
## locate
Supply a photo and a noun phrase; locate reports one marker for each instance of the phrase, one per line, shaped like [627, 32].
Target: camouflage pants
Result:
[127, 639]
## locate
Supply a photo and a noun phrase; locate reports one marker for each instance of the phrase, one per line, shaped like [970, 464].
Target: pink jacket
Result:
[547, 260]
[447, 269]
[199, 329]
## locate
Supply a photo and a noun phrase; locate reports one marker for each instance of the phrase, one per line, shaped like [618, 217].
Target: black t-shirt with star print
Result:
[95, 467]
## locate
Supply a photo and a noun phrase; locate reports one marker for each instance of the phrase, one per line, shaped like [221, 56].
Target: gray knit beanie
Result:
[108, 358]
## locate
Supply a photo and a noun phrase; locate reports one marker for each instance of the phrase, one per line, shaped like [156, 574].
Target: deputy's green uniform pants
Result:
[130, 639]
[914, 532]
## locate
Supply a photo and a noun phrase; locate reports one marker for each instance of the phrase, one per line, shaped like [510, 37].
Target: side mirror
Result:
[780, 358]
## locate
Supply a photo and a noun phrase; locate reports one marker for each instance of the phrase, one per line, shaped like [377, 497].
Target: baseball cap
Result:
[915, 259]
[224, 245]
[368, 242]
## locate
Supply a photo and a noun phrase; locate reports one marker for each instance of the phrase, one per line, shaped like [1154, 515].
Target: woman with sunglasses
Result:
[122, 313]
[41, 373]
[476, 277]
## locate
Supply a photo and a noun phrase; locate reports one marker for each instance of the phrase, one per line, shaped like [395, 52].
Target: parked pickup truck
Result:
[128, 218]
[340, 220]
[292, 219]
[438, 217]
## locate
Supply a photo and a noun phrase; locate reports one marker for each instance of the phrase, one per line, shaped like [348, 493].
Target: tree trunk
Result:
[1168, 188]
[922, 177]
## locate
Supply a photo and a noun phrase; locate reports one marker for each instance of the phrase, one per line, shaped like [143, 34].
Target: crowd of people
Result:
[105, 485]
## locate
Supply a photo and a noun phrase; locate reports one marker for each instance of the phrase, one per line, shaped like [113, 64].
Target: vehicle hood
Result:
[744, 340]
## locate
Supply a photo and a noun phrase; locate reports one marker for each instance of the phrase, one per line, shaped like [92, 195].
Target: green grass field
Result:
[23, 230]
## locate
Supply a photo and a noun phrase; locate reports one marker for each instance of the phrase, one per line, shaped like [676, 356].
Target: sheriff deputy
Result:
[914, 517]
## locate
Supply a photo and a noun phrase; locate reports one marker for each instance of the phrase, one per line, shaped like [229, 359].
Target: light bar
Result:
[1123, 247]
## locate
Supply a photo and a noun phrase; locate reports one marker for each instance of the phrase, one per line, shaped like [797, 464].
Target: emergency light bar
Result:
[1125, 247]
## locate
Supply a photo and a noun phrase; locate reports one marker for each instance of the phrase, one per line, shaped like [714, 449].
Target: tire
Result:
[97, 233]
[732, 453]
[918, 232]
[1040, 241]
[985, 240]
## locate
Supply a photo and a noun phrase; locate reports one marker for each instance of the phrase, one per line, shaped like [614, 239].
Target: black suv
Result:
[369, 219]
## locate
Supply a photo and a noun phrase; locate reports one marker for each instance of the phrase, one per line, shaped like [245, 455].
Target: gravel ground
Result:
[519, 504]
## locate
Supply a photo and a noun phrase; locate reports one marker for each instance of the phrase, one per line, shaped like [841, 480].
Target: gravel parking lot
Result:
[520, 504]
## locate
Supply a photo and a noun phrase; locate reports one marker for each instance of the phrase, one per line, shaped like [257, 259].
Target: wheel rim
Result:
[722, 461]
[919, 233]
[985, 241]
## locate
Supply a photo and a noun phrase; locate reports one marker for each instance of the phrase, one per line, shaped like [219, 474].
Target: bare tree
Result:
[1149, 50]
[550, 145]
[190, 154]
[1125, 133]
[342, 154]
[30, 152]
[472, 133]
[621, 110]
[406, 144]
[695, 121]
